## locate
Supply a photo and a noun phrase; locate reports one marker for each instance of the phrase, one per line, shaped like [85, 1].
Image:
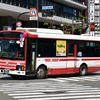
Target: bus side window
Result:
[46, 48]
[70, 49]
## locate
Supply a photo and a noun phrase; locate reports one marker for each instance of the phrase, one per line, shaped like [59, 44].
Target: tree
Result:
[67, 28]
[49, 25]
[81, 25]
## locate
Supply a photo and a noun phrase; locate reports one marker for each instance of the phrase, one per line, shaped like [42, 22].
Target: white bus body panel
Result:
[67, 66]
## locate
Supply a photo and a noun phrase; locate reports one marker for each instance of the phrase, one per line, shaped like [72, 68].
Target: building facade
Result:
[94, 16]
[97, 17]
[65, 11]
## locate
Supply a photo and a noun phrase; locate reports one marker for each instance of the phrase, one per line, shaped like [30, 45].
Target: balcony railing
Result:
[20, 3]
[80, 1]
[26, 4]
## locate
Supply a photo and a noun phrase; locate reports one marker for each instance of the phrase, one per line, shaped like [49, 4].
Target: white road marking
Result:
[55, 89]
[81, 78]
[59, 98]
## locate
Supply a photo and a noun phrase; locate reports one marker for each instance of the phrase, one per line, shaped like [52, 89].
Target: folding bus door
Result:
[31, 55]
[71, 57]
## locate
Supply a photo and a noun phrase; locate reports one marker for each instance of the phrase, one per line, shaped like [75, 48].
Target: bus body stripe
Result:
[57, 71]
[70, 59]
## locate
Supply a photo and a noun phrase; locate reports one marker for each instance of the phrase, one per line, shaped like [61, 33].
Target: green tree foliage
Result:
[81, 25]
[79, 28]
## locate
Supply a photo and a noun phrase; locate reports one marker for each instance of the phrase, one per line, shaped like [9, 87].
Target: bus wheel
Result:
[41, 73]
[15, 76]
[83, 70]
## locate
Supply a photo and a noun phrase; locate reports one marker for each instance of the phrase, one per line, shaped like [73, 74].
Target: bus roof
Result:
[41, 30]
[57, 34]
[69, 37]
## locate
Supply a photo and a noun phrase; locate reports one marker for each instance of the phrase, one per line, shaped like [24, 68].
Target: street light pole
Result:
[37, 15]
[72, 24]
[20, 15]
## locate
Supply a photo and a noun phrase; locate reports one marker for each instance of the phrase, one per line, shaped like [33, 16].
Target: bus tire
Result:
[83, 70]
[41, 73]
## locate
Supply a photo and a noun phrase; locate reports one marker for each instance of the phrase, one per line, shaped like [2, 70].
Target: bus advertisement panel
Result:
[60, 48]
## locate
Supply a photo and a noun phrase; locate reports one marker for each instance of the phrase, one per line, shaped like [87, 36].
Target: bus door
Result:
[71, 57]
[31, 55]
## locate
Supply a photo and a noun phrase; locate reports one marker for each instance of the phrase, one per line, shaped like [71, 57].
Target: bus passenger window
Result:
[46, 48]
[70, 49]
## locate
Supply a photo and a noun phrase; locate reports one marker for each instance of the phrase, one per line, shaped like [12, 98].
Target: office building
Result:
[65, 11]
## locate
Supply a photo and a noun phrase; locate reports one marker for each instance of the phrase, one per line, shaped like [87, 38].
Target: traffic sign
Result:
[19, 24]
[33, 18]
[33, 12]
[47, 7]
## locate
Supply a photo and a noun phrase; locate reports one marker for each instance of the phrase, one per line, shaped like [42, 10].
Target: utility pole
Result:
[37, 15]
[72, 25]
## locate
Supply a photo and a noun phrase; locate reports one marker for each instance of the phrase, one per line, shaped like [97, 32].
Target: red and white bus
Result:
[44, 52]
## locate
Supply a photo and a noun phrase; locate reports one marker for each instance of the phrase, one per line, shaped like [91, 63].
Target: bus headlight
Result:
[19, 67]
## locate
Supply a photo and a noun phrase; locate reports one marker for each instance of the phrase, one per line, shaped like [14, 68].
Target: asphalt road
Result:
[70, 87]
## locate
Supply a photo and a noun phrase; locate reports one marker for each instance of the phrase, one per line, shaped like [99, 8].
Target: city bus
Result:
[43, 52]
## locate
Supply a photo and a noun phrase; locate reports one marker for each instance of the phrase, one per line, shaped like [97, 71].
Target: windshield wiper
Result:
[7, 54]
[10, 55]
[2, 54]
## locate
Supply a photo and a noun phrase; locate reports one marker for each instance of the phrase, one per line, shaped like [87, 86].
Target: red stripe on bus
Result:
[90, 59]
[56, 60]
[33, 35]
[67, 70]
[71, 59]
[11, 62]
[47, 60]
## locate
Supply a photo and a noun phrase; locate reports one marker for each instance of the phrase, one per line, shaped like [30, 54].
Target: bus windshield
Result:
[11, 49]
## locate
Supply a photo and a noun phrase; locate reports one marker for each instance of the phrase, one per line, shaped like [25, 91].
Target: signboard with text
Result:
[47, 7]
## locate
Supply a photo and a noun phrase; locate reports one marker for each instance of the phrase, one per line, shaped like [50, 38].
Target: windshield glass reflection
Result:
[11, 49]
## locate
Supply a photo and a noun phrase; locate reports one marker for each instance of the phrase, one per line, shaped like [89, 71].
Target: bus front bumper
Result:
[12, 72]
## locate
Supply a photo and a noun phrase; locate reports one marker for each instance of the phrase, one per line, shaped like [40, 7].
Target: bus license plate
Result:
[6, 71]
